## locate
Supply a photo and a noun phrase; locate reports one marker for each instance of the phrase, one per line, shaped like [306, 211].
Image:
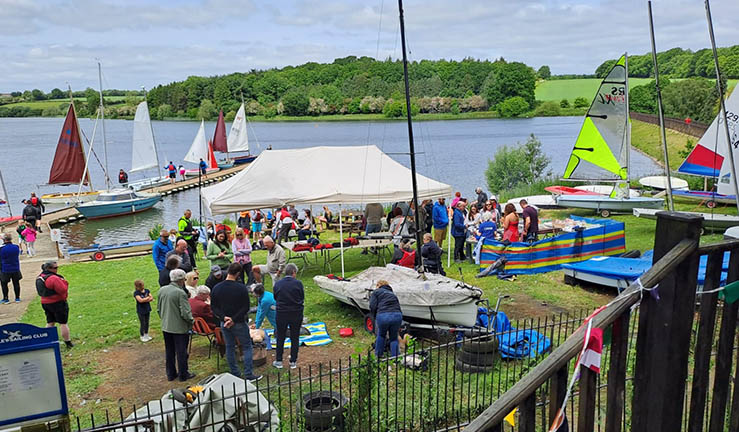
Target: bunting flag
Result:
[730, 293]
[560, 422]
[511, 417]
[591, 356]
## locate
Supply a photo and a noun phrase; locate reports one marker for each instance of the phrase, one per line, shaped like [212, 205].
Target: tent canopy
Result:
[319, 175]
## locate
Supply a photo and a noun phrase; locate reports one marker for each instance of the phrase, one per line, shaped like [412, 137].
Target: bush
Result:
[547, 109]
[164, 111]
[295, 103]
[513, 107]
[514, 166]
[564, 103]
[581, 102]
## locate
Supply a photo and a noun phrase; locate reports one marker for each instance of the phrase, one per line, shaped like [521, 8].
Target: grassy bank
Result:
[646, 138]
[556, 90]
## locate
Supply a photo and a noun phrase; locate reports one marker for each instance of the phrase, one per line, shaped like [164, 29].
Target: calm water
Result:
[454, 152]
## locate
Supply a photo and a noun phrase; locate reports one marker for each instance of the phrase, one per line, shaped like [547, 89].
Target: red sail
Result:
[211, 156]
[69, 160]
[219, 138]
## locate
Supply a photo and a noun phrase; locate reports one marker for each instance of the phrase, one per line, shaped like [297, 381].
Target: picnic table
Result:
[379, 245]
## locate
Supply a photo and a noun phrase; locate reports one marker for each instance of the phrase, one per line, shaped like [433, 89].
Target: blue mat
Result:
[318, 336]
[630, 269]
[512, 343]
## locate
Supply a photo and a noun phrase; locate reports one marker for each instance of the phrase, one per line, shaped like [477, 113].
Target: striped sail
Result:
[601, 151]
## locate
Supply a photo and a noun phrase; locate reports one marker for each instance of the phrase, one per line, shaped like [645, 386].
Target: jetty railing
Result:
[678, 373]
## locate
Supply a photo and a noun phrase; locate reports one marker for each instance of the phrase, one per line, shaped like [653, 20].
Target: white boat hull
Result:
[711, 221]
[69, 198]
[660, 182]
[607, 189]
[600, 203]
[148, 183]
[538, 201]
[194, 172]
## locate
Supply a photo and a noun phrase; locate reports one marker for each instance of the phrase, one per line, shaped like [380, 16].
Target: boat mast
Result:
[151, 128]
[627, 189]
[102, 118]
[732, 166]
[5, 192]
[419, 243]
[660, 111]
[85, 173]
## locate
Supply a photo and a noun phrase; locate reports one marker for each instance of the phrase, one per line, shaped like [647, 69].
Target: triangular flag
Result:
[730, 294]
[592, 354]
[511, 417]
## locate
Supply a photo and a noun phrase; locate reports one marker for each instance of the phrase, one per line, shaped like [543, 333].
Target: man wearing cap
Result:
[176, 315]
[440, 217]
[276, 261]
[10, 266]
[215, 276]
[160, 249]
[55, 291]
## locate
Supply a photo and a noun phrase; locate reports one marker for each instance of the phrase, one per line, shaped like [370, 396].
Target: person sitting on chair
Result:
[308, 226]
[431, 254]
[200, 305]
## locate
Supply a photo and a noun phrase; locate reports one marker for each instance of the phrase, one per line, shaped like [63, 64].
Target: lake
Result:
[454, 152]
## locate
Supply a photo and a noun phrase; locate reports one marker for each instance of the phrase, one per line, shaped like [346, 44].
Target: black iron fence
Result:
[440, 380]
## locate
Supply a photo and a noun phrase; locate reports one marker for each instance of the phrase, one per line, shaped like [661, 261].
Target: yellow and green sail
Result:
[602, 146]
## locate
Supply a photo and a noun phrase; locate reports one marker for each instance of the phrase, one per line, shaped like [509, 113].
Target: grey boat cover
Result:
[225, 402]
[407, 284]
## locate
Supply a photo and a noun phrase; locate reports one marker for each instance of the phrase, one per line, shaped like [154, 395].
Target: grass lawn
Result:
[569, 89]
[646, 137]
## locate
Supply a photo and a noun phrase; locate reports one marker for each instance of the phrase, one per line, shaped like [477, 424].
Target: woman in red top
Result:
[54, 299]
[510, 223]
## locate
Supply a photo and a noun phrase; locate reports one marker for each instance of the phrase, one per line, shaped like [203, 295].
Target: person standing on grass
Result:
[482, 198]
[10, 266]
[242, 249]
[54, 291]
[289, 299]
[143, 308]
[276, 262]
[176, 315]
[161, 248]
[219, 250]
[256, 225]
[173, 262]
[385, 308]
[530, 222]
[190, 234]
[229, 302]
[440, 218]
[458, 232]
[181, 250]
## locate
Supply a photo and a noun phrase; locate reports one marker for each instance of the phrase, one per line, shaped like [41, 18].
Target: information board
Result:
[31, 379]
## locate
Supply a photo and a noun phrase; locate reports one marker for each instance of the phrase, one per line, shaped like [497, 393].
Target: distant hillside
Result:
[680, 63]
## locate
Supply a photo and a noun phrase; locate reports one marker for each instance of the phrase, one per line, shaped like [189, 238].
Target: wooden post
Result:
[725, 354]
[663, 341]
[704, 343]
[617, 373]
[557, 392]
[586, 404]
[527, 410]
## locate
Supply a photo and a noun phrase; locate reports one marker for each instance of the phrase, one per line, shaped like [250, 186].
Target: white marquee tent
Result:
[319, 175]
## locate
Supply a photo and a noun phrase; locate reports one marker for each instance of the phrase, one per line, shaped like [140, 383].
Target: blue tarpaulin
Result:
[512, 343]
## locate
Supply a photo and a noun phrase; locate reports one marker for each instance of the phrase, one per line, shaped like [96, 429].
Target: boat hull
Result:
[238, 160]
[538, 201]
[711, 221]
[600, 203]
[69, 198]
[703, 196]
[194, 172]
[100, 210]
[98, 252]
[566, 190]
[606, 190]
[148, 183]
[660, 182]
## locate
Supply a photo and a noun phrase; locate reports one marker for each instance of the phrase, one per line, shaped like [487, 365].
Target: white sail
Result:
[199, 148]
[144, 154]
[238, 139]
[716, 135]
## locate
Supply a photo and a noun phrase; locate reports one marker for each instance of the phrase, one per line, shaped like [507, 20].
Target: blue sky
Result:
[144, 43]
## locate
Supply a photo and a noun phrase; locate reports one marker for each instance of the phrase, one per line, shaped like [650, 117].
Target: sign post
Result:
[31, 380]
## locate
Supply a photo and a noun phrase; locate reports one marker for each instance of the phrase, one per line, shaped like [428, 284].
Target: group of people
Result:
[224, 299]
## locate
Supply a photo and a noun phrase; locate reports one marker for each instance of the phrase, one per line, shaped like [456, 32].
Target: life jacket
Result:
[34, 201]
[171, 168]
[188, 227]
[41, 288]
[122, 177]
[257, 216]
[408, 260]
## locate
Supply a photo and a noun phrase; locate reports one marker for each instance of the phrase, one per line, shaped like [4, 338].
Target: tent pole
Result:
[341, 240]
[5, 192]
[449, 238]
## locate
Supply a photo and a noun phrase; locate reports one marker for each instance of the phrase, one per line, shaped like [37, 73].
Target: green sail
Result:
[602, 146]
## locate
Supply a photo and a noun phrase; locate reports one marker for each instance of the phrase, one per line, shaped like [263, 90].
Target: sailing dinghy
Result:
[144, 150]
[201, 150]
[219, 142]
[238, 139]
[68, 167]
[601, 151]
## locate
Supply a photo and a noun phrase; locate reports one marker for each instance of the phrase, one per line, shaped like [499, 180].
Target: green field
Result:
[56, 102]
[556, 90]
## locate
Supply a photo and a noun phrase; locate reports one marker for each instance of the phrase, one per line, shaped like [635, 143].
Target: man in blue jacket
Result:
[11, 268]
[289, 298]
[161, 248]
[266, 307]
[458, 231]
[441, 221]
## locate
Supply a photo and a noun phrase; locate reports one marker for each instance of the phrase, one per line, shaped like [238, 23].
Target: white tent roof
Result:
[319, 175]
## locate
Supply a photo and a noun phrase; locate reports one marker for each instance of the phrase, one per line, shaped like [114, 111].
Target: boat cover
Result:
[630, 269]
[436, 290]
[514, 343]
[226, 400]
[605, 238]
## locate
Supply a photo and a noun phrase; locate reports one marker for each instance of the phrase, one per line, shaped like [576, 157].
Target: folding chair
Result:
[201, 328]
[220, 345]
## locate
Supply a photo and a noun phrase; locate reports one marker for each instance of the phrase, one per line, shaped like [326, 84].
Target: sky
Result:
[50, 43]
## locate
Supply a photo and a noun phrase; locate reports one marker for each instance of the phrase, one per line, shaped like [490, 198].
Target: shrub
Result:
[164, 111]
[547, 109]
[517, 165]
[581, 102]
[564, 103]
[295, 102]
[513, 107]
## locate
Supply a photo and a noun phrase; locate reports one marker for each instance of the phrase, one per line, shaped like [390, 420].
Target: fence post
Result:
[663, 340]
[586, 404]
[557, 392]
[617, 373]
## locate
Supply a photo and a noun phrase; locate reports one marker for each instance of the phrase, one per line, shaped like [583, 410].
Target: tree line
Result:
[680, 63]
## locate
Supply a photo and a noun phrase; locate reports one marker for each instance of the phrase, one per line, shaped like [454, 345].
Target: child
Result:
[21, 239]
[143, 308]
[29, 234]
